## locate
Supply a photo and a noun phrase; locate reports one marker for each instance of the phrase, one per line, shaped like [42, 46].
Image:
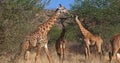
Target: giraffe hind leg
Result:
[37, 54]
[87, 48]
[47, 53]
[27, 55]
[63, 51]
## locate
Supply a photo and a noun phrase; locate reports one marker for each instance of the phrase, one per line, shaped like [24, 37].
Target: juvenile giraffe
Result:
[89, 39]
[38, 38]
[60, 42]
[115, 46]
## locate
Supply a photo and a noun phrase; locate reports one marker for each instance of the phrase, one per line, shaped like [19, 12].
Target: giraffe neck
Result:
[62, 35]
[84, 31]
[46, 26]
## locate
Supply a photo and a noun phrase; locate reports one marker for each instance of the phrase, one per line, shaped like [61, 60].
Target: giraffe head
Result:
[62, 9]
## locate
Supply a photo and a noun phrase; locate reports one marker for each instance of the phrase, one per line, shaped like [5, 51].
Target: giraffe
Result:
[89, 39]
[60, 42]
[38, 38]
[115, 46]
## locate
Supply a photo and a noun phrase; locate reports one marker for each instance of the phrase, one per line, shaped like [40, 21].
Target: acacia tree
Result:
[104, 14]
[101, 10]
[15, 21]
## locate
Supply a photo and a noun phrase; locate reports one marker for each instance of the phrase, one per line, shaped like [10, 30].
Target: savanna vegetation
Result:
[16, 18]
[101, 17]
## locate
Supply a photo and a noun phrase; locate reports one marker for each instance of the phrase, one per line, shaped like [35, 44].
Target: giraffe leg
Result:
[111, 54]
[47, 53]
[99, 47]
[110, 57]
[63, 51]
[99, 51]
[87, 49]
[114, 53]
[37, 54]
[87, 57]
[87, 52]
[27, 56]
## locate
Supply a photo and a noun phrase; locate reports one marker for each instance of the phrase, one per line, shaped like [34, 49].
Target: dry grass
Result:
[74, 54]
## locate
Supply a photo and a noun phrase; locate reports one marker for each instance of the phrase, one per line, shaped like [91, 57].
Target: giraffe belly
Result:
[42, 43]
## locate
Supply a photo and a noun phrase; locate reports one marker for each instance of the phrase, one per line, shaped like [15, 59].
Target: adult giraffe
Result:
[39, 37]
[89, 39]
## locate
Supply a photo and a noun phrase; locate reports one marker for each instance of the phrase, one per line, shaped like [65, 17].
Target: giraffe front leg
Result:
[87, 52]
[110, 56]
[37, 54]
[99, 49]
[114, 54]
[63, 51]
[47, 53]
[87, 49]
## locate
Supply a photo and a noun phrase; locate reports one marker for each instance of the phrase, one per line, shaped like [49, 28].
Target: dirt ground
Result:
[74, 54]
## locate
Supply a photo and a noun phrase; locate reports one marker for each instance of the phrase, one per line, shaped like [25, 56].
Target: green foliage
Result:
[71, 32]
[16, 17]
[53, 35]
[100, 10]
[105, 14]
[16, 21]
